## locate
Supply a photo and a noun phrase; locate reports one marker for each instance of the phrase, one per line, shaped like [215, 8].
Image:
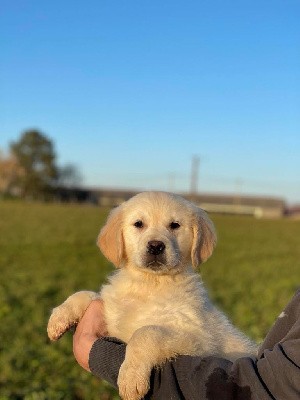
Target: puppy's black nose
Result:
[155, 247]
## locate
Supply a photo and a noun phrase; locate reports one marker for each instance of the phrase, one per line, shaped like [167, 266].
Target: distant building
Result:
[259, 207]
[293, 212]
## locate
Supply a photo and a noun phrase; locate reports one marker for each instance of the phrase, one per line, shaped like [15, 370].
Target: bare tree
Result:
[11, 173]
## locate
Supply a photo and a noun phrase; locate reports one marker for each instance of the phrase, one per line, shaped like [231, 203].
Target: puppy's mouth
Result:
[155, 263]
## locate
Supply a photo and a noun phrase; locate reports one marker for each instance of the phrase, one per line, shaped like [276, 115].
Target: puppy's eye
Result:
[174, 225]
[138, 224]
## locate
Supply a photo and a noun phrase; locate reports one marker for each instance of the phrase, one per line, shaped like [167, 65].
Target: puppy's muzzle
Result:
[155, 247]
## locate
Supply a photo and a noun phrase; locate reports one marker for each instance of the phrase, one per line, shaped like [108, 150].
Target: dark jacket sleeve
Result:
[275, 374]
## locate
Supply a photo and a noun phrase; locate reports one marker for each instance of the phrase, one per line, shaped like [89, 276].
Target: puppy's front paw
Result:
[69, 313]
[133, 381]
[59, 323]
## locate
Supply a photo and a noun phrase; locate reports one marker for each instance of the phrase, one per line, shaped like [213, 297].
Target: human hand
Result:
[89, 329]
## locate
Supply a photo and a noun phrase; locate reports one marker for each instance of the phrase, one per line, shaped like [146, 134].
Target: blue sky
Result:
[129, 90]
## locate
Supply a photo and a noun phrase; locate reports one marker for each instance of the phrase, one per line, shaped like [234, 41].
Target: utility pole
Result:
[195, 175]
[238, 184]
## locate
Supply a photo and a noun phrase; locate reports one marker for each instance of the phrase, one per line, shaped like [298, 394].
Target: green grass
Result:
[48, 251]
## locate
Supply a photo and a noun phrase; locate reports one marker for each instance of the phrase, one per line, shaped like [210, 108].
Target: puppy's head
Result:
[157, 232]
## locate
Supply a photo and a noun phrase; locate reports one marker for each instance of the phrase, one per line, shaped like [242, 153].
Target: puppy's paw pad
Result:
[133, 382]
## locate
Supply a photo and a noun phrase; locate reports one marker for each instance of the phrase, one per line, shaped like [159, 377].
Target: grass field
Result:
[48, 251]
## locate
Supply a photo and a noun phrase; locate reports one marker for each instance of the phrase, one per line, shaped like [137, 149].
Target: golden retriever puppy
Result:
[156, 302]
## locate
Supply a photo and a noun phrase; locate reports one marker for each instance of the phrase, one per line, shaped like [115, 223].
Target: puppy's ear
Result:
[110, 239]
[204, 240]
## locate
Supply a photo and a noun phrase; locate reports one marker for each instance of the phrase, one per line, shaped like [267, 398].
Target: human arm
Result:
[91, 327]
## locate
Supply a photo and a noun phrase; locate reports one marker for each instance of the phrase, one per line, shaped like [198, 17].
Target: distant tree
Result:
[35, 154]
[68, 176]
[10, 175]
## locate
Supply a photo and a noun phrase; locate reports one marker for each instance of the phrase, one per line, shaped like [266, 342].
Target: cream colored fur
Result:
[156, 304]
